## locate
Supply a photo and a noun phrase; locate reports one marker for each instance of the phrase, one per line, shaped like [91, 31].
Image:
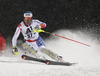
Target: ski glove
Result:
[38, 29]
[15, 51]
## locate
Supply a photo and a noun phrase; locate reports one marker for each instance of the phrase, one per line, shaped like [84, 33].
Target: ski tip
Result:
[47, 62]
[23, 57]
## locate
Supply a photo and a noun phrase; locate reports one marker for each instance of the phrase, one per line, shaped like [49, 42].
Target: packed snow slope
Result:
[88, 58]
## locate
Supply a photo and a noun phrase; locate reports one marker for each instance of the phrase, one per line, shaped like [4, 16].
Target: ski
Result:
[48, 62]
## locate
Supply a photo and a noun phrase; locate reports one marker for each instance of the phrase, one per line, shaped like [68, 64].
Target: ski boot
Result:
[59, 58]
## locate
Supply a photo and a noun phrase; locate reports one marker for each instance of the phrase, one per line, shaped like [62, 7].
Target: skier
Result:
[30, 29]
[2, 45]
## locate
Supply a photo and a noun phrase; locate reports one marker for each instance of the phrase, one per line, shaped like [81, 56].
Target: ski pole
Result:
[66, 38]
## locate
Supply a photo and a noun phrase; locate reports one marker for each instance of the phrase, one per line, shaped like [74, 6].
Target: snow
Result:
[88, 58]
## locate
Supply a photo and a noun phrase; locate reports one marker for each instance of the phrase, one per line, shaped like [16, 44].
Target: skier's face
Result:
[27, 19]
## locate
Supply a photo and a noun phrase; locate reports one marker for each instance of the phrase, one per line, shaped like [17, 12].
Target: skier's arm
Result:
[16, 35]
[43, 25]
[14, 40]
[40, 25]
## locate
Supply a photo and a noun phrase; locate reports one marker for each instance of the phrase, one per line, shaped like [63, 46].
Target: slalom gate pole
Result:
[67, 38]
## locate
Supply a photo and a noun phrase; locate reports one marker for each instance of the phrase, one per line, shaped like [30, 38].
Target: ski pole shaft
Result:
[72, 40]
[67, 38]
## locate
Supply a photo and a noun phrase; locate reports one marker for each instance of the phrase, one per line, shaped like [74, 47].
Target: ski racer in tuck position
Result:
[30, 29]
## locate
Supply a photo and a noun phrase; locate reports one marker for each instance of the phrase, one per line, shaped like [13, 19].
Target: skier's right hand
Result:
[15, 51]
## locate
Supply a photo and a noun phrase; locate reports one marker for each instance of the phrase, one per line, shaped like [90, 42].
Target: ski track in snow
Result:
[88, 58]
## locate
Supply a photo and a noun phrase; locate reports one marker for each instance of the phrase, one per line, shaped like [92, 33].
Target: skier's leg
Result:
[29, 48]
[51, 54]
[33, 49]
[48, 52]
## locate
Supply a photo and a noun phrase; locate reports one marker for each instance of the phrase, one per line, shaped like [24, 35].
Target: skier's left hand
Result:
[37, 27]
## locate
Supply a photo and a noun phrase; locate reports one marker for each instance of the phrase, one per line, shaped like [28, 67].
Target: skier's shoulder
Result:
[35, 20]
[20, 24]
